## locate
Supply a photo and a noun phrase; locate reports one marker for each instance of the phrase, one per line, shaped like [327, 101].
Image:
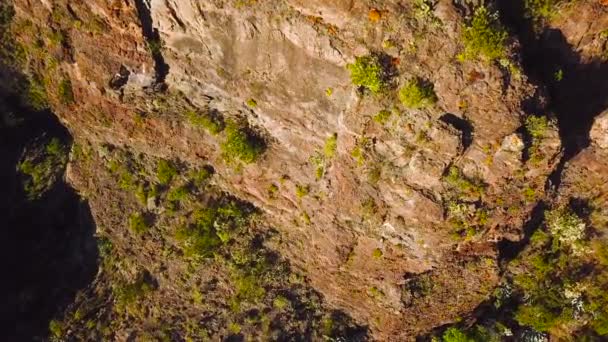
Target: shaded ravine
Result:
[575, 98]
[48, 250]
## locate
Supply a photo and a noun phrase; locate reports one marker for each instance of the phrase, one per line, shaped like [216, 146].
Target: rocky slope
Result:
[320, 205]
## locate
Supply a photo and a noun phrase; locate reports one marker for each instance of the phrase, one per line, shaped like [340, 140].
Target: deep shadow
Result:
[48, 250]
[154, 43]
[575, 99]
[462, 125]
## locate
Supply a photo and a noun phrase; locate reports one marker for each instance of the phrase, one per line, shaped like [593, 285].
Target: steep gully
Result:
[575, 100]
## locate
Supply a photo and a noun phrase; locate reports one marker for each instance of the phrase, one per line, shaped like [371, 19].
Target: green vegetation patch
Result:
[417, 94]
[484, 37]
[368, 72]
[537, 127]
[213, 226]
[212, 122]
[138, 224]
[42, 167]
[66, 94]
[241, 144]
[463, 185]
[165, 171]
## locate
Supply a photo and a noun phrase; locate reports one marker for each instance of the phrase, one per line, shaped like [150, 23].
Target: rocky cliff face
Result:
[391, 218]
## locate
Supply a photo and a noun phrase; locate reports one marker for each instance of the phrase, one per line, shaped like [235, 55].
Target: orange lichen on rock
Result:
[374, 15]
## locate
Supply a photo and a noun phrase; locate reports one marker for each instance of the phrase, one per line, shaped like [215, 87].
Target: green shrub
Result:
[540, 9]
[463, 185]
[331, 144]
[565, 225]
[128, 294]
[56, 329]
[36, 94]
[252, 103]
[537, 126]
[537, 317]
[201, 177]
[382, 116]
[212, 123]
[302, 190]
[165, 171]
[178, 194]
[241, 145]
[377, 253]
[212, 227]
[138, 224]
[42, 168]
[484, 37]
[455, 335]
[368, 72]
[66, 94]
[416, 94]
[280, 302]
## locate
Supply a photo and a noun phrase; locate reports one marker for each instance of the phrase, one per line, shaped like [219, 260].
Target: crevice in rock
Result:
[154, 41]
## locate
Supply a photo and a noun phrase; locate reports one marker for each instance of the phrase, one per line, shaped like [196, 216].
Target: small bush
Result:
[537, 126]
[540, 9]
[280, 302]
[212, 123]
[331, 144]
[56, 329]
[241, 144]
[484, 37]
[416, 94]
[138, 224]
[382, 116]
[537, 317]
[377, 253]
[368, 72]
[302, 190]
[66, 94]
[565, 225]
[463, 185]
[252, 103]
[178, 194]
[456, 335]
[165, 171]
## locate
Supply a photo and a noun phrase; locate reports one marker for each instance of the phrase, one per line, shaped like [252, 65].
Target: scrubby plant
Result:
[212, 122]
[484, 37]
[42, 167]
[252, 103]
[56, 330]
[462, 184]
[128, 294]
[369, 73]
[540, 9]
[241, 144]
[565, 225]
[302, 190]
[417, 94]
[382, 116]
[454, 334]
[212, 226]
[66, 94]
[537, 127]
[138, 224]
[331, 145]
[165, 171]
